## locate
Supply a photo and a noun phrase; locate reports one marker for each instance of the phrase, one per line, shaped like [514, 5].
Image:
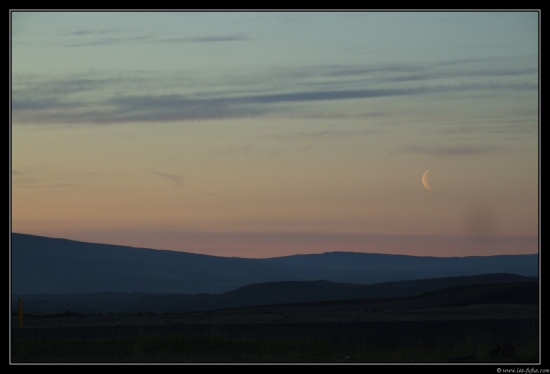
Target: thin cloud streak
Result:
[112, 41]
[90, 99]
[453, 150]
[94, 32]
[206, 39]
[145, 39]
[320, 134]
[309, 78]
[150, 108]
[174, 178]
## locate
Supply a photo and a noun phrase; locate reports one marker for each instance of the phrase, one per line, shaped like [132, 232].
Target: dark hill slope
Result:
[475, 289]
[59, 266]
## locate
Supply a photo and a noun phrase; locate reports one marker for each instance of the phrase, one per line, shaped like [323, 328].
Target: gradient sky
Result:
[262, 134]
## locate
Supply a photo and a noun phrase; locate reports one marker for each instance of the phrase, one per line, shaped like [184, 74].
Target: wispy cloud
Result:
[409, 72]
[99, 40]
[206, 39]
[174, 178]
[322, 134]
[244, 150]
[90, 99]
[38, 180]
[151, 108]
[112, 41]
[42, 177]
[94, 32]
[345, 115]
[457, 150]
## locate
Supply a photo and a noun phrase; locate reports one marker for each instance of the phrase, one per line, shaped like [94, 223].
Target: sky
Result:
[266, 134]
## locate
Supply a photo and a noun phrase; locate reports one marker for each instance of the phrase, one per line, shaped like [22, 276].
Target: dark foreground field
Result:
[326, 332]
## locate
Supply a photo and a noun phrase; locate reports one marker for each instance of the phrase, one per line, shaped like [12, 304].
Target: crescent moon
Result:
[425, 180]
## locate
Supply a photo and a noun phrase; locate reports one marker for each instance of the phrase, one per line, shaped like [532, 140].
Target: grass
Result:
[372, 342]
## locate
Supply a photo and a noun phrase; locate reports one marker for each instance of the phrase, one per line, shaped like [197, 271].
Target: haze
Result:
[263, 134]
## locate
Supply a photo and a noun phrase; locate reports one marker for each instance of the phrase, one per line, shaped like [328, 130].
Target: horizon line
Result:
[296, 254]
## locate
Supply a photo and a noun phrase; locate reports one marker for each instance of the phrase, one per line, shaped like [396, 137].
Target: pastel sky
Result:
[263, 134]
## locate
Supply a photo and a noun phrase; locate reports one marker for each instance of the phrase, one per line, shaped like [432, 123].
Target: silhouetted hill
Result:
[47, 265]
[411, 267]
[302, 291]
[60, 266]
[526, 293]
[482, 289]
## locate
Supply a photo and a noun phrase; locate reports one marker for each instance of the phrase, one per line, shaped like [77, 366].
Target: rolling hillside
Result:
[60, 266]
[483, 289]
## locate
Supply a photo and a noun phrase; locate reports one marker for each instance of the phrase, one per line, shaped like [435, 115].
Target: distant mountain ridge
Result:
[41, 265]
[452, 291]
